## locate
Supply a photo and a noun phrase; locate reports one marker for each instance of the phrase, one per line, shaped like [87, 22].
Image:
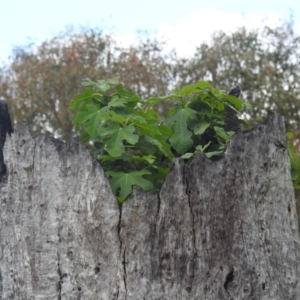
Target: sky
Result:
[182, 24]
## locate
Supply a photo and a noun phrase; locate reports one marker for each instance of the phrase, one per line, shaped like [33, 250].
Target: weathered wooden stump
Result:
[219, 229]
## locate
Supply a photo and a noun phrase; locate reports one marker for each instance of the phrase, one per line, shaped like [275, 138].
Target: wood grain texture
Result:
[218, 229]
[59, 222]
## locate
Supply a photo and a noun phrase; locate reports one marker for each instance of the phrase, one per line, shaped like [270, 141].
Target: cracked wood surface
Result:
[59, 222]
[219, 229]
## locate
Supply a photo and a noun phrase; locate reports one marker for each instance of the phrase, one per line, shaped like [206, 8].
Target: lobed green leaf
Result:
[115, 146]
[82, 98]
[122, 182]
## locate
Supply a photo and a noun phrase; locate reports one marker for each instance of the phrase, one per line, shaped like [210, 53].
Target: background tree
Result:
[264, 63]
[41, 80]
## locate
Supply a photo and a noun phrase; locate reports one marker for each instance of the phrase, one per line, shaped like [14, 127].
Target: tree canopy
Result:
[264, 63]
[40, 80]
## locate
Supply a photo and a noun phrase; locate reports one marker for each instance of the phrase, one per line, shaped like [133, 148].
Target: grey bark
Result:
[218, 229]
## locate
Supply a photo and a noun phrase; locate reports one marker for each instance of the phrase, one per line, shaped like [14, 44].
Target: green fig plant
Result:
[135, 145]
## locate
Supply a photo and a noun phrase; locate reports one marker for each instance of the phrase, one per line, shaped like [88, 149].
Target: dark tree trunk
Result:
[219, 229]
